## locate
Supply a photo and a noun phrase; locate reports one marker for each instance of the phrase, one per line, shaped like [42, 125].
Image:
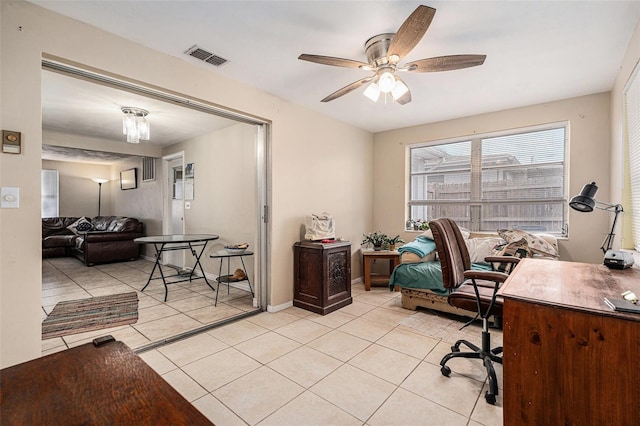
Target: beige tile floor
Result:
[189, 306]
[369, 363]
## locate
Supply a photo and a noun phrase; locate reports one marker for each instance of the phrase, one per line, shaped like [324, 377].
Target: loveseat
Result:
[419, 278]
[101, 239]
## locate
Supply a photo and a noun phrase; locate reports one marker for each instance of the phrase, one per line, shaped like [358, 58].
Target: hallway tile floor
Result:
[190, 305]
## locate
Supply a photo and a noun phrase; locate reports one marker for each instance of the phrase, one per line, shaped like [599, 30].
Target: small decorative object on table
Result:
[236, 248]
[377, 239]
[394, 241]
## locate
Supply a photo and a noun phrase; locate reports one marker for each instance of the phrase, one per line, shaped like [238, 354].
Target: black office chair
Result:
[470, 290]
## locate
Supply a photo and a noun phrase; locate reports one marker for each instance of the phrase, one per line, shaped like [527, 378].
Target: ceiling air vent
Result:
[204, 55]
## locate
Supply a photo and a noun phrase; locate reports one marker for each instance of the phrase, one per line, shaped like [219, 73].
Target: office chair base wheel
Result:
[491, 399]
[445, 371]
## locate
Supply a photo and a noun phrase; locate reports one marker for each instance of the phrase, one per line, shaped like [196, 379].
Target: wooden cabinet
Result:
[568, 358]
[322, 276]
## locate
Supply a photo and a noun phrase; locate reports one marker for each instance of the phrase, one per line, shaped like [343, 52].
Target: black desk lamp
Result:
[586, 202]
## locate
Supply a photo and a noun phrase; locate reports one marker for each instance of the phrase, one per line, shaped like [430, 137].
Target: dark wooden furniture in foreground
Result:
[568, 358]
[322, 276]
[369, 255]
[91, 385]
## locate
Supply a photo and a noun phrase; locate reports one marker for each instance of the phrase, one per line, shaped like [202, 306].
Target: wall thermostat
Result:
[10, 197]
[11, 142]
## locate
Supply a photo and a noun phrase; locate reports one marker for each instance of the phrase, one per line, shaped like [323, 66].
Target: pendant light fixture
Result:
[135, 124]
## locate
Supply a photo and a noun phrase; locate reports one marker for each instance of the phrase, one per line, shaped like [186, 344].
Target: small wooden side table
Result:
[368, 255]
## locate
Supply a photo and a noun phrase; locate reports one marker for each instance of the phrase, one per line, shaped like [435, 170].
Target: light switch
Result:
[10, 197]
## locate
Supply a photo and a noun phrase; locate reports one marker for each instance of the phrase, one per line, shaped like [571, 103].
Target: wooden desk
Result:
[89, 385]
[568, 358]
[369, 255]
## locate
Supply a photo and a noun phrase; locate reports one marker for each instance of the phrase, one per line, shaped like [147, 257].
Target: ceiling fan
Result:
[384, 53]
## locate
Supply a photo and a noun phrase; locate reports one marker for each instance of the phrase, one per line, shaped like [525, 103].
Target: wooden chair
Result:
[470, 290]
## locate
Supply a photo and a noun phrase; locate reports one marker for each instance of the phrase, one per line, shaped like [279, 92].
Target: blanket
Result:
[421, 246]
[424, 275]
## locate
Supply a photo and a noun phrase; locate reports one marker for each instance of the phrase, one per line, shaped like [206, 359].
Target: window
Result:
[488, 182]
[177, 183]
[49, 193]
[632, 127]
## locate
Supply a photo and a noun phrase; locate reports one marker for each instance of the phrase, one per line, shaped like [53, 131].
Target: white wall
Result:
[78, 194]
[144, 203]
[225, 189]
[588, 161]
[318, 163]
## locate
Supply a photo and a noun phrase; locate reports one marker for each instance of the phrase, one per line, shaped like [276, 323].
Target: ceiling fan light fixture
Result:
[399, 89]
[372, 92]
[386, 82]
[384, 53]
[135, 124]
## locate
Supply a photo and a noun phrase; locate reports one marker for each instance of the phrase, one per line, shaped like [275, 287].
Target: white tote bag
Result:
[319, 227]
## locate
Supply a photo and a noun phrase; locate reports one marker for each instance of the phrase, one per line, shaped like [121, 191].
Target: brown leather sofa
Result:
[110, 239]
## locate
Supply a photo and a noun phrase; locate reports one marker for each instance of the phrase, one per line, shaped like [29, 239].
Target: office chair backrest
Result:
[452, 252]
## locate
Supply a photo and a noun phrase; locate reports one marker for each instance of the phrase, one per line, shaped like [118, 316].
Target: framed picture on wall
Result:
[189, 170]
[129, 179]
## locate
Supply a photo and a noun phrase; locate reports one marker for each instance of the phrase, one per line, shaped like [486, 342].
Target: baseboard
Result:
[281, 307]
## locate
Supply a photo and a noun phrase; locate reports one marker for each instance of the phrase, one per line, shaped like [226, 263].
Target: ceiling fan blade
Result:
[330, 60]
[404, 99]
[349, 88]
[446, 63]
[410, 32]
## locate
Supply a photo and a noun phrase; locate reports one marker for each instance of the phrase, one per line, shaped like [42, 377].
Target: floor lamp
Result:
[100, 182]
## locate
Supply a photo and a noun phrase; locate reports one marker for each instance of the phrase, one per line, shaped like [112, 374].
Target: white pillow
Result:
[427, 234]
[479, 248]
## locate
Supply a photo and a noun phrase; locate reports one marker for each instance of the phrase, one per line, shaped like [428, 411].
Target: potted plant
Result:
[377, 239]
[393, 241]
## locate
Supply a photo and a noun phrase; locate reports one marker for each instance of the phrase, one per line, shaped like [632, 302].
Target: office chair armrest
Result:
[502, 259]
[495, 276]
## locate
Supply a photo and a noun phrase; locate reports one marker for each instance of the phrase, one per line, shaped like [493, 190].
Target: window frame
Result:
[475, 201]
[49, 193]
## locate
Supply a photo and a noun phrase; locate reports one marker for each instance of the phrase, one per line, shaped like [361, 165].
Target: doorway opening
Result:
[226, 198]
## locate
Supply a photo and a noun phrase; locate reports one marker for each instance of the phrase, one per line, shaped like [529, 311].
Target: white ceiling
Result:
[95, 110]
[537, 51]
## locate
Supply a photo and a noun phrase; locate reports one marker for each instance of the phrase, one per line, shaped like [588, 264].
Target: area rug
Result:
[94, 313]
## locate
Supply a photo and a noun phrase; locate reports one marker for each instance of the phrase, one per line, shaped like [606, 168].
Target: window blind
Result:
[49, 193]
[514, 179]
[632, 133]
